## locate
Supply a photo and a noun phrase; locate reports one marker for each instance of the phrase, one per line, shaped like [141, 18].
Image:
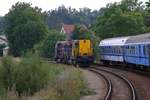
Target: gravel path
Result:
[95, 83]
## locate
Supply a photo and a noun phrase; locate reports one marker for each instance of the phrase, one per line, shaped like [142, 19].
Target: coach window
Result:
[103, 50]
[119, 51]
[129, 50]
[132, 49]
[144, 50]
[133, 52]
[116, 49]
[112, 49]
[107, 48]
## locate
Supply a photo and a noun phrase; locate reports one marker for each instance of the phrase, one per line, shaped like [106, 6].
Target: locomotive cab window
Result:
[76, 44]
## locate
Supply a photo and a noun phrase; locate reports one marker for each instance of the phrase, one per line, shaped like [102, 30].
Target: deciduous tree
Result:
[26, 27]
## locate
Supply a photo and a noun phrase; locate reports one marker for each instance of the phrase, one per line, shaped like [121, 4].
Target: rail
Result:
[108, 82]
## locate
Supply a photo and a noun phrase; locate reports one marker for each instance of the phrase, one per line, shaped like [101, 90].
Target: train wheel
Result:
[148, 69]
[141, 67]
[77, 65]
[58, 60]
[106, 62]
[74, 63]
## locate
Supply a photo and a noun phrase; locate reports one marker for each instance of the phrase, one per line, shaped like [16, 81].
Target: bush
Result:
[70, 85]
[47, 48]
[32, 75]
[7, 72]
[28, 76]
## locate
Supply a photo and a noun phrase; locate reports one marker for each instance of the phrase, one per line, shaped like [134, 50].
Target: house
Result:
[68, 30]
[3, 45]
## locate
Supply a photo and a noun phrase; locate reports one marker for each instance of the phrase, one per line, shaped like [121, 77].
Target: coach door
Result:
[148, 51]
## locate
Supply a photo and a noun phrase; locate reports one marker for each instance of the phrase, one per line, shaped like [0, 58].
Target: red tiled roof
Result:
[69, 28]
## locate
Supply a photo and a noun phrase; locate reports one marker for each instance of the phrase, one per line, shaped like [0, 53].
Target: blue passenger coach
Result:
[112, 50]
[137, 50]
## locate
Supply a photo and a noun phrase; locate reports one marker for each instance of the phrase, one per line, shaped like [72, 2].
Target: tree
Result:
[2, 25]
[47, 47]
[148, 5]
[117, 22]
[26, 28]
[81, 32]
[131, 5]
[55, 18]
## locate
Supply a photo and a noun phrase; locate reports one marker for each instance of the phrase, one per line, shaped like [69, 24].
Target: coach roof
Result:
[114, 41]
[142, 38]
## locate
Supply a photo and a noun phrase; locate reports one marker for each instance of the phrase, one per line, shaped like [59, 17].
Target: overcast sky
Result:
[5, 5]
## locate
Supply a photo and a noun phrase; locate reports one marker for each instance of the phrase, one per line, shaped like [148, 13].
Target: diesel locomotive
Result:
[77, 52]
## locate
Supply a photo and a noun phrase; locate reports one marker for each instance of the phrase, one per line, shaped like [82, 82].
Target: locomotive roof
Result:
[142, 38]
[114, 41]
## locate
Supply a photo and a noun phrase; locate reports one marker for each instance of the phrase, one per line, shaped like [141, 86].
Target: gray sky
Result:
[5, 5]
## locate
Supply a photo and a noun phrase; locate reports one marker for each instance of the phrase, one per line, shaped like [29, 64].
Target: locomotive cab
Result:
[83, 52]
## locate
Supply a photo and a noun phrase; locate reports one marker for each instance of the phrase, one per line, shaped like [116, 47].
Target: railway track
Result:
[118, 87]
[128, 68]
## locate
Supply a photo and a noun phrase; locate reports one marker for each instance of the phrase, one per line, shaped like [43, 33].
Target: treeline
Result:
[62, 15]
[128, 17]
[55, 18]
[2, 25]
